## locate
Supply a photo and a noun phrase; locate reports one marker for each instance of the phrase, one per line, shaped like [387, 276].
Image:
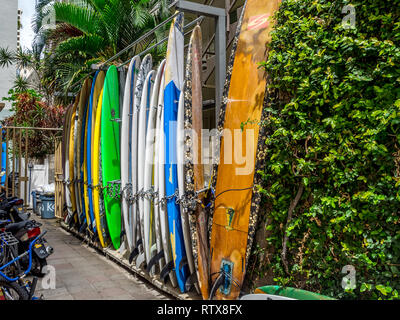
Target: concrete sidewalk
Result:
[84, 274]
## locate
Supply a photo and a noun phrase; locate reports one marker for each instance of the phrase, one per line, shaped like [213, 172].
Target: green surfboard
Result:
[293, 293]
[110, 147]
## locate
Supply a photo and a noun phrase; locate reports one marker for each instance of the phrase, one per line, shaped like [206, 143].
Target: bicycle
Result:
[11, 285]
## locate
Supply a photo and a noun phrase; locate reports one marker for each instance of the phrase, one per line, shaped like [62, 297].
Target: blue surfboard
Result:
[173, 87]
[3, 162]
[89, 156]
[81, 176]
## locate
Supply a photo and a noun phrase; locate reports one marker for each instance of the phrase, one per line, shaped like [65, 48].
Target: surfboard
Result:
[126, 149]
[81, 170]
[148, 206]
[293, 293]
[143, 119]
[95, 94]
[71, 163]
[98, 196]
[172, 91]
[67, 129]
[65, 158]
[87, 158]
[75, 164]
[78, 146]
[194, 169]
[85, 124]
[145, 68]
[3, 161]
[235, 212]
[157, 224]
[64, 142]
[181, 187]
[110, 153]
[167, 270]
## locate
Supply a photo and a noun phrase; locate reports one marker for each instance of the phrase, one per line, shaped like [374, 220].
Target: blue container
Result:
[47, 207]
[39, 207]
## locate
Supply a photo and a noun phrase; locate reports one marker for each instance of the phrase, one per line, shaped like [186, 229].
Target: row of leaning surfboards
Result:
[135, 181]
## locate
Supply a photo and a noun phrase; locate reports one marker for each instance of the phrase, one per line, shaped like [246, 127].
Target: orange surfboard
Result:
[236, 203]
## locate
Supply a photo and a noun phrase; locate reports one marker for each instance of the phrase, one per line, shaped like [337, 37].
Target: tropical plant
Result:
[30, 111]
[331, 181]
[91, 31]
[31, 60]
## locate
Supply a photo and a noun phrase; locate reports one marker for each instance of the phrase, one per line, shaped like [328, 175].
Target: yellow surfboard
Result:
[85, 174]
[97, 207]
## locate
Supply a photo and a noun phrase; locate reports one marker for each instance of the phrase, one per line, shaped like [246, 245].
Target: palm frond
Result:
[89, 44]
[23, 59]
[41, 10]
[6, 57]
[20, 84]
[63, 32]
[84, 19]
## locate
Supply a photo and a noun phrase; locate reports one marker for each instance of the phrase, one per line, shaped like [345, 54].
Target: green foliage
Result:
[106, 27]
[334, 126]
[29, 111]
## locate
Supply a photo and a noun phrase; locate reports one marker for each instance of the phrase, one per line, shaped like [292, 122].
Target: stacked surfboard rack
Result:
[134, 179]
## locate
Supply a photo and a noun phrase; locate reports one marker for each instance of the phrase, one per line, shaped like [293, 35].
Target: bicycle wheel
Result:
[12, 291]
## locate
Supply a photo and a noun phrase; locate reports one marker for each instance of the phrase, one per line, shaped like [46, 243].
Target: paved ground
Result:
[84, 274]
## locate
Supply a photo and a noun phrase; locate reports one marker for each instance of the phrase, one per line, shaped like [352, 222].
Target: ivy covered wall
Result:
[332, 179]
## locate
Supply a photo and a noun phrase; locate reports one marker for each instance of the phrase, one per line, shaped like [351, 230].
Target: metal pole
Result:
[35, 128]
[19, 162]
[13, 165]
[7, 169]
[26, 169]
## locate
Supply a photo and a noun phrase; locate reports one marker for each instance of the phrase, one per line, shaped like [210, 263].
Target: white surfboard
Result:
[148, 213]
[181, 185]
[163, 215]
[66, 173]
[159, 128]
[141, 150]
[145, 68]
[126, 156]
[76, 168]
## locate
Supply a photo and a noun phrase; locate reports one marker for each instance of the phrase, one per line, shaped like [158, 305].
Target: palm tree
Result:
[86, 32]
[91, 31]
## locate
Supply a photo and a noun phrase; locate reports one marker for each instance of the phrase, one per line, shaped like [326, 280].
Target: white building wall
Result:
[8, 38]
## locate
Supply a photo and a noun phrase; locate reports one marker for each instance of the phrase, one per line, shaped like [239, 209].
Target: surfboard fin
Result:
[220, 280]
[191, 281]
[135, 251]
[138, 243]
[133, 254]
[166, 270]
[140, 259]
[183, 263]
[122, 234]
[83, 227]
[154, 260]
